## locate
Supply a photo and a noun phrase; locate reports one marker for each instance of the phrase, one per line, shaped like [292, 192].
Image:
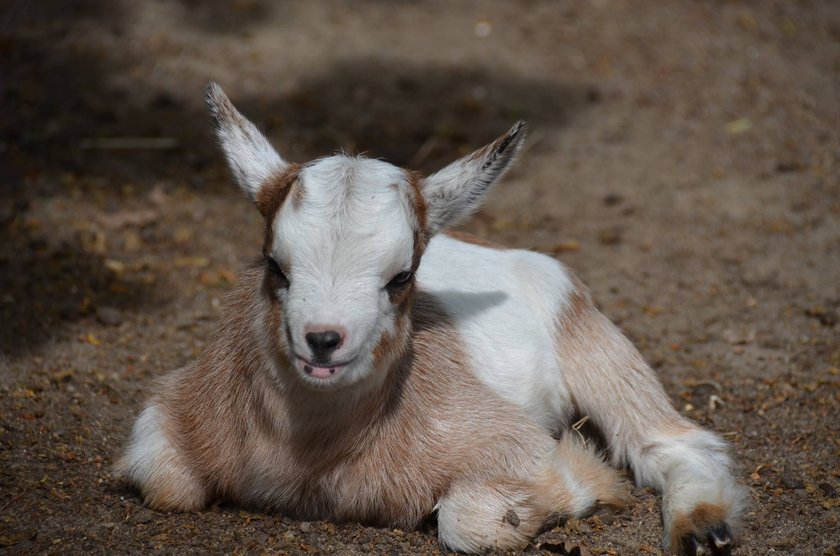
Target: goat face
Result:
[341, 255]
[344, 237]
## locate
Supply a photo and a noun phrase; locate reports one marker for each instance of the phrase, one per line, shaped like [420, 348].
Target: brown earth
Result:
[684, 159]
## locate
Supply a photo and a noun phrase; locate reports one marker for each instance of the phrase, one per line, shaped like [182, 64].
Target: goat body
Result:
[374, 370]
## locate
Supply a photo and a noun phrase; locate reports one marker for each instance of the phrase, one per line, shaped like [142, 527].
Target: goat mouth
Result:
[320, 371]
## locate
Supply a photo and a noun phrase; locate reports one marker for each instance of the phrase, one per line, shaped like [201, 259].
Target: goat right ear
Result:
[456, 191]
[251, 157]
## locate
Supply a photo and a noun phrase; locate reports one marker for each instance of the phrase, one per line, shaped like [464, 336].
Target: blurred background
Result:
[683, 159]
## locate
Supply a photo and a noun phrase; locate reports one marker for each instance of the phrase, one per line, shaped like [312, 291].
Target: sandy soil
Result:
[684, 159]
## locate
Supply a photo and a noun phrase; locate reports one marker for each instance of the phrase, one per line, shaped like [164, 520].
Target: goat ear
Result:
[250, 156]
[456, 191]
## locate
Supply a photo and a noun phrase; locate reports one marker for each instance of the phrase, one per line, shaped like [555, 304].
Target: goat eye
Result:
[276, 271]
[400, 279]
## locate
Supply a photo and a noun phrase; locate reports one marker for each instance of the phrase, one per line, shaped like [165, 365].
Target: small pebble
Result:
[828, 490]
[583, 528]
[143, 516]
[612, 199]
[606, 517]
[109, 316]
[792, 481]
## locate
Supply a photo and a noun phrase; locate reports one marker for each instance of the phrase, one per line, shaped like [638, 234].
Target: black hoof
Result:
[720, 540]
[688, 545]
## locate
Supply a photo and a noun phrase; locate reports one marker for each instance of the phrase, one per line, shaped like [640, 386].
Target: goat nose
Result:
[323, 343]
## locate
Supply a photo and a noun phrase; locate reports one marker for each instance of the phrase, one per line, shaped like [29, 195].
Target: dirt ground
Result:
[684, 159]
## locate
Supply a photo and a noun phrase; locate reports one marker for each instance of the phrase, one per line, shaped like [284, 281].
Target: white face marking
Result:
[350, 235]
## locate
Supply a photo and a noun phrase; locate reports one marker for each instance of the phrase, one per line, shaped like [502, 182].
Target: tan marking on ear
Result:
[467, 237]
[482, 152]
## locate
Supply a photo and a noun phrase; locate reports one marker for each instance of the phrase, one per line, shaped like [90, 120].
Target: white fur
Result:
[151, 459]
[148, 445]
[250, 156]
[505, 304]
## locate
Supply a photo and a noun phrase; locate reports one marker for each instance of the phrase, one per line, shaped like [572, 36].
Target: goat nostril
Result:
[323, 343]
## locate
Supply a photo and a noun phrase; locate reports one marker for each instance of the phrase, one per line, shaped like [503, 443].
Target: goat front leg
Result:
[610, 382]
[154, 465]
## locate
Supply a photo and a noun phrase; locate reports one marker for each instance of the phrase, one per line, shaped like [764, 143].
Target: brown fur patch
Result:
[275, 189]
[588, 469]
[607, 377]
[272, 194]
[391, 346]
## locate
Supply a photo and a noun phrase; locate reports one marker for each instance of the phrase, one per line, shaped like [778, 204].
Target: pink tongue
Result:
[322, 372]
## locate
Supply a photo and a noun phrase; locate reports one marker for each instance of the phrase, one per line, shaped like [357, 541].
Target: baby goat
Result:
[373, 369]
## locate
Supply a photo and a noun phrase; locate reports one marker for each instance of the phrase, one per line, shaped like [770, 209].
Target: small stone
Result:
[305, 527]
[792, 481]
[828, 490]
[584, 528]
[143, 516]
[612, 199]
[109, 316]
[606, 517]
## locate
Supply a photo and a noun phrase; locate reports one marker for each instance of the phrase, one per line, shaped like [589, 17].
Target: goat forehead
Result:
[352, 211]
[335, 182]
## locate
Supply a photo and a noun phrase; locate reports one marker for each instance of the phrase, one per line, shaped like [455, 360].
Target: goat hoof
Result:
[688, 545]
[720, 540]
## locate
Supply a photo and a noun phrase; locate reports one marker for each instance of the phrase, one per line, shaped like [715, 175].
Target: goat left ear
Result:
[456, 191]
[250, 156]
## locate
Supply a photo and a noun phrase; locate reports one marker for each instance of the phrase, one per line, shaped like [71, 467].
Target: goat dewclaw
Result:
[375, 369]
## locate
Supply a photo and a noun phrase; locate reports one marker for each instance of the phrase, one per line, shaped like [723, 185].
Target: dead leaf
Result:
[91, 339]
[569, 246]
[738, 126]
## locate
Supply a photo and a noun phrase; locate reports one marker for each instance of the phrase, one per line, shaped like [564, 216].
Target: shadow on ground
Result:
[57, 98]
[46, 286]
